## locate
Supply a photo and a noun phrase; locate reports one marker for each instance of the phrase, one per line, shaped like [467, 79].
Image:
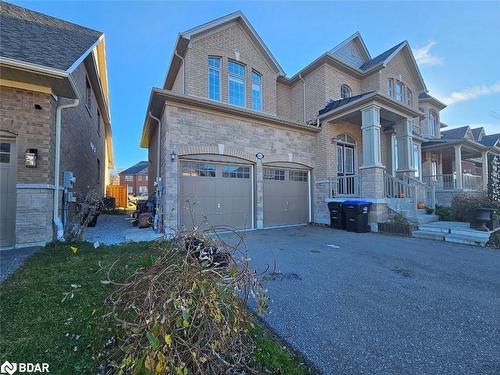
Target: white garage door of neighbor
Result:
[214, 194]
[7, 193]
[286, 196]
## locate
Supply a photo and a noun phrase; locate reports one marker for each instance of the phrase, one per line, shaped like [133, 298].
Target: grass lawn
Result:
[52, 310]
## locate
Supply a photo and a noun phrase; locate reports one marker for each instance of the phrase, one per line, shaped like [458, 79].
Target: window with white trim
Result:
[345, 92]
[214, 78]
[256, 91]
[5, 152]
[236, 83]
[390, 87]
[398, 92]
[129, 178]
[433, 124]
[409, 97]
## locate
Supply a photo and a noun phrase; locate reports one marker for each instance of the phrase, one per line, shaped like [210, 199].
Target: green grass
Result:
[53, 310]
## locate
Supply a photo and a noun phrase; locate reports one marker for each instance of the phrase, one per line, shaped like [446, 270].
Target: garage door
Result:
[215, 194]
[286, 197]
[7, 193]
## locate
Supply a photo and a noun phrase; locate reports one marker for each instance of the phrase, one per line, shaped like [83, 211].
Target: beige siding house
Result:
[54, 108]
[234, 141]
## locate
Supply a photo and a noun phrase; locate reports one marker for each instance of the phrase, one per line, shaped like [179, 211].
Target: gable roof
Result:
[425, 97]
[490, 140]
[478, 133]
[356, 41]
[455, 133]
[334, 104]
[39, 39]
[138, 168]
[184, 38]
[383, 58]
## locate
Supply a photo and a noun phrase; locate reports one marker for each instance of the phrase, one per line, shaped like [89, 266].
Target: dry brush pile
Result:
[186, 313]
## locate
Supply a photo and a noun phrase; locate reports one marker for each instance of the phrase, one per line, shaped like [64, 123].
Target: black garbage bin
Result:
[337, 217]
[356, 216]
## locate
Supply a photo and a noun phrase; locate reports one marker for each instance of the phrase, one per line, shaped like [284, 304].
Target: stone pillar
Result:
[458, 165]
[405, 147]
[171, 211]
[370, 126]
[259, 193]
[484, 158]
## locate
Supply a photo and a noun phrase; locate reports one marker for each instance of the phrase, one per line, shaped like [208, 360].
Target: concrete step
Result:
[428, 235]
[465, 239]
[424, 218]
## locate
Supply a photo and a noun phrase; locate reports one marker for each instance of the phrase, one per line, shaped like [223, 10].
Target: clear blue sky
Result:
[458, 47]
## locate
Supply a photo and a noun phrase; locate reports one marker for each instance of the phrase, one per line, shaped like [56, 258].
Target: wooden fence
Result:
[119, 192]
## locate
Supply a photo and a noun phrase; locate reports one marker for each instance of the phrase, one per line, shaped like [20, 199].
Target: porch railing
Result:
[423, 192]
[449, 181]
[401, 195]
[346, 186]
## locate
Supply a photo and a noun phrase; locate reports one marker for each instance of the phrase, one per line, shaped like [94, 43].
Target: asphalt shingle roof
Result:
[136, 168]
[490, 140]
[380, 58]
[476, 132]
[36, 38]
[334, 104]
[456, 133]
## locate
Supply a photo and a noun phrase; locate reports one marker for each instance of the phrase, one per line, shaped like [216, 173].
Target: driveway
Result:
[375, 304]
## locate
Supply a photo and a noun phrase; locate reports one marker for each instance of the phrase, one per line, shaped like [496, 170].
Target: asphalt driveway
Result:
[375, 304]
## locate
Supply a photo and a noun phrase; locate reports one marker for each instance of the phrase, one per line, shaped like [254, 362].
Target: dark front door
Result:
[345, 169]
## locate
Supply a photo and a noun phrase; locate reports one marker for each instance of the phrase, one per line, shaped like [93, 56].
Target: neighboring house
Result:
[136, 178]
[45, 65]
[233, 141]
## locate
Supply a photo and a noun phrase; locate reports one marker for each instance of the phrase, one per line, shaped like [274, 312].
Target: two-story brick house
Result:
[232, 140]
[136, 179]
[54, 117]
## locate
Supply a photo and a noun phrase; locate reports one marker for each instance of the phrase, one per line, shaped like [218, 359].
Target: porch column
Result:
[372, 171]
[405, 146]
[458, 165]
[484, 157]
[370, 125]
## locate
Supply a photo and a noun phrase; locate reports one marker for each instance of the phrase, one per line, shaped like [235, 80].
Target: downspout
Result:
[303, 95]
[57, 219]
[158, 178]
[183, 71]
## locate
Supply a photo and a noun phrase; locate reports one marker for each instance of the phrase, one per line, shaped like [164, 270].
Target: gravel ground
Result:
[11, 260]
[375, 304]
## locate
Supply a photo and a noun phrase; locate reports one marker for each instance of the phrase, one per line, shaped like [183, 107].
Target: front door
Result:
[345, 169]
[7, 193]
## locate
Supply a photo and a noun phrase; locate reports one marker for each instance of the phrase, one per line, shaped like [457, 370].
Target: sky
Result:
[457, 46]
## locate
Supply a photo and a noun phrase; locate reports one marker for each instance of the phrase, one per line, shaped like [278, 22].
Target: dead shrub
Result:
[187, 313]
[88, 207]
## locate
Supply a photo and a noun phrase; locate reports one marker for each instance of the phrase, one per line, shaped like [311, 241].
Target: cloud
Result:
[424, 56]
[471, 93]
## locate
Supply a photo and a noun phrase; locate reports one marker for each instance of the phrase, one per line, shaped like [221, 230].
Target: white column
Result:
[405, 146]
[370, 126]
[484, 157]
[458, 165]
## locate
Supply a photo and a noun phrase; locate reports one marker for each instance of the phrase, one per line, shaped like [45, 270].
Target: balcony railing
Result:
[346, 186]
[449, 181]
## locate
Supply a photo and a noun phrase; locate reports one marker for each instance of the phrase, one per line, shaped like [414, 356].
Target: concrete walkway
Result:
[11, 260]
[374, 304]
[115, 229]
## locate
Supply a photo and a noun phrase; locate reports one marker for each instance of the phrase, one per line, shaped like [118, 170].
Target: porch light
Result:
[31, 158]
[173, 155]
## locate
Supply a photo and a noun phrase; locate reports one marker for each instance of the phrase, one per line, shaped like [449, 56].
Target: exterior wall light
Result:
[173, 155]
[31, 158]
[259, 155]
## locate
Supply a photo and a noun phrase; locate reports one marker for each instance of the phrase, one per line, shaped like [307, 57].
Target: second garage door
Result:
[215, 194]
[286, 196]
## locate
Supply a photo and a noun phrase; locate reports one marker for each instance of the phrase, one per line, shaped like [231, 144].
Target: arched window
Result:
[345, 92]
[346, 138]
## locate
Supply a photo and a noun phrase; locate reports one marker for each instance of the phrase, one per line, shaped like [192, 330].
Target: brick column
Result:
[484, 158]
[405, 147]
[458, 165]
[259, 196]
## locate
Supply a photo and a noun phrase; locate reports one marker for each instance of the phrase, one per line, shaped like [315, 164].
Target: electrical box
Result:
[69, 180]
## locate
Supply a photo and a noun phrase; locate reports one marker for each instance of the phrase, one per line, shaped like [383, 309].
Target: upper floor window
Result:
[390, 87]
[88, 94]
[129, 178]
[214, 78]
[98, 122]
[399, 91]
[409, 97]
[256, 91]
[433, 123]
[236, 83]
[345, 92]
